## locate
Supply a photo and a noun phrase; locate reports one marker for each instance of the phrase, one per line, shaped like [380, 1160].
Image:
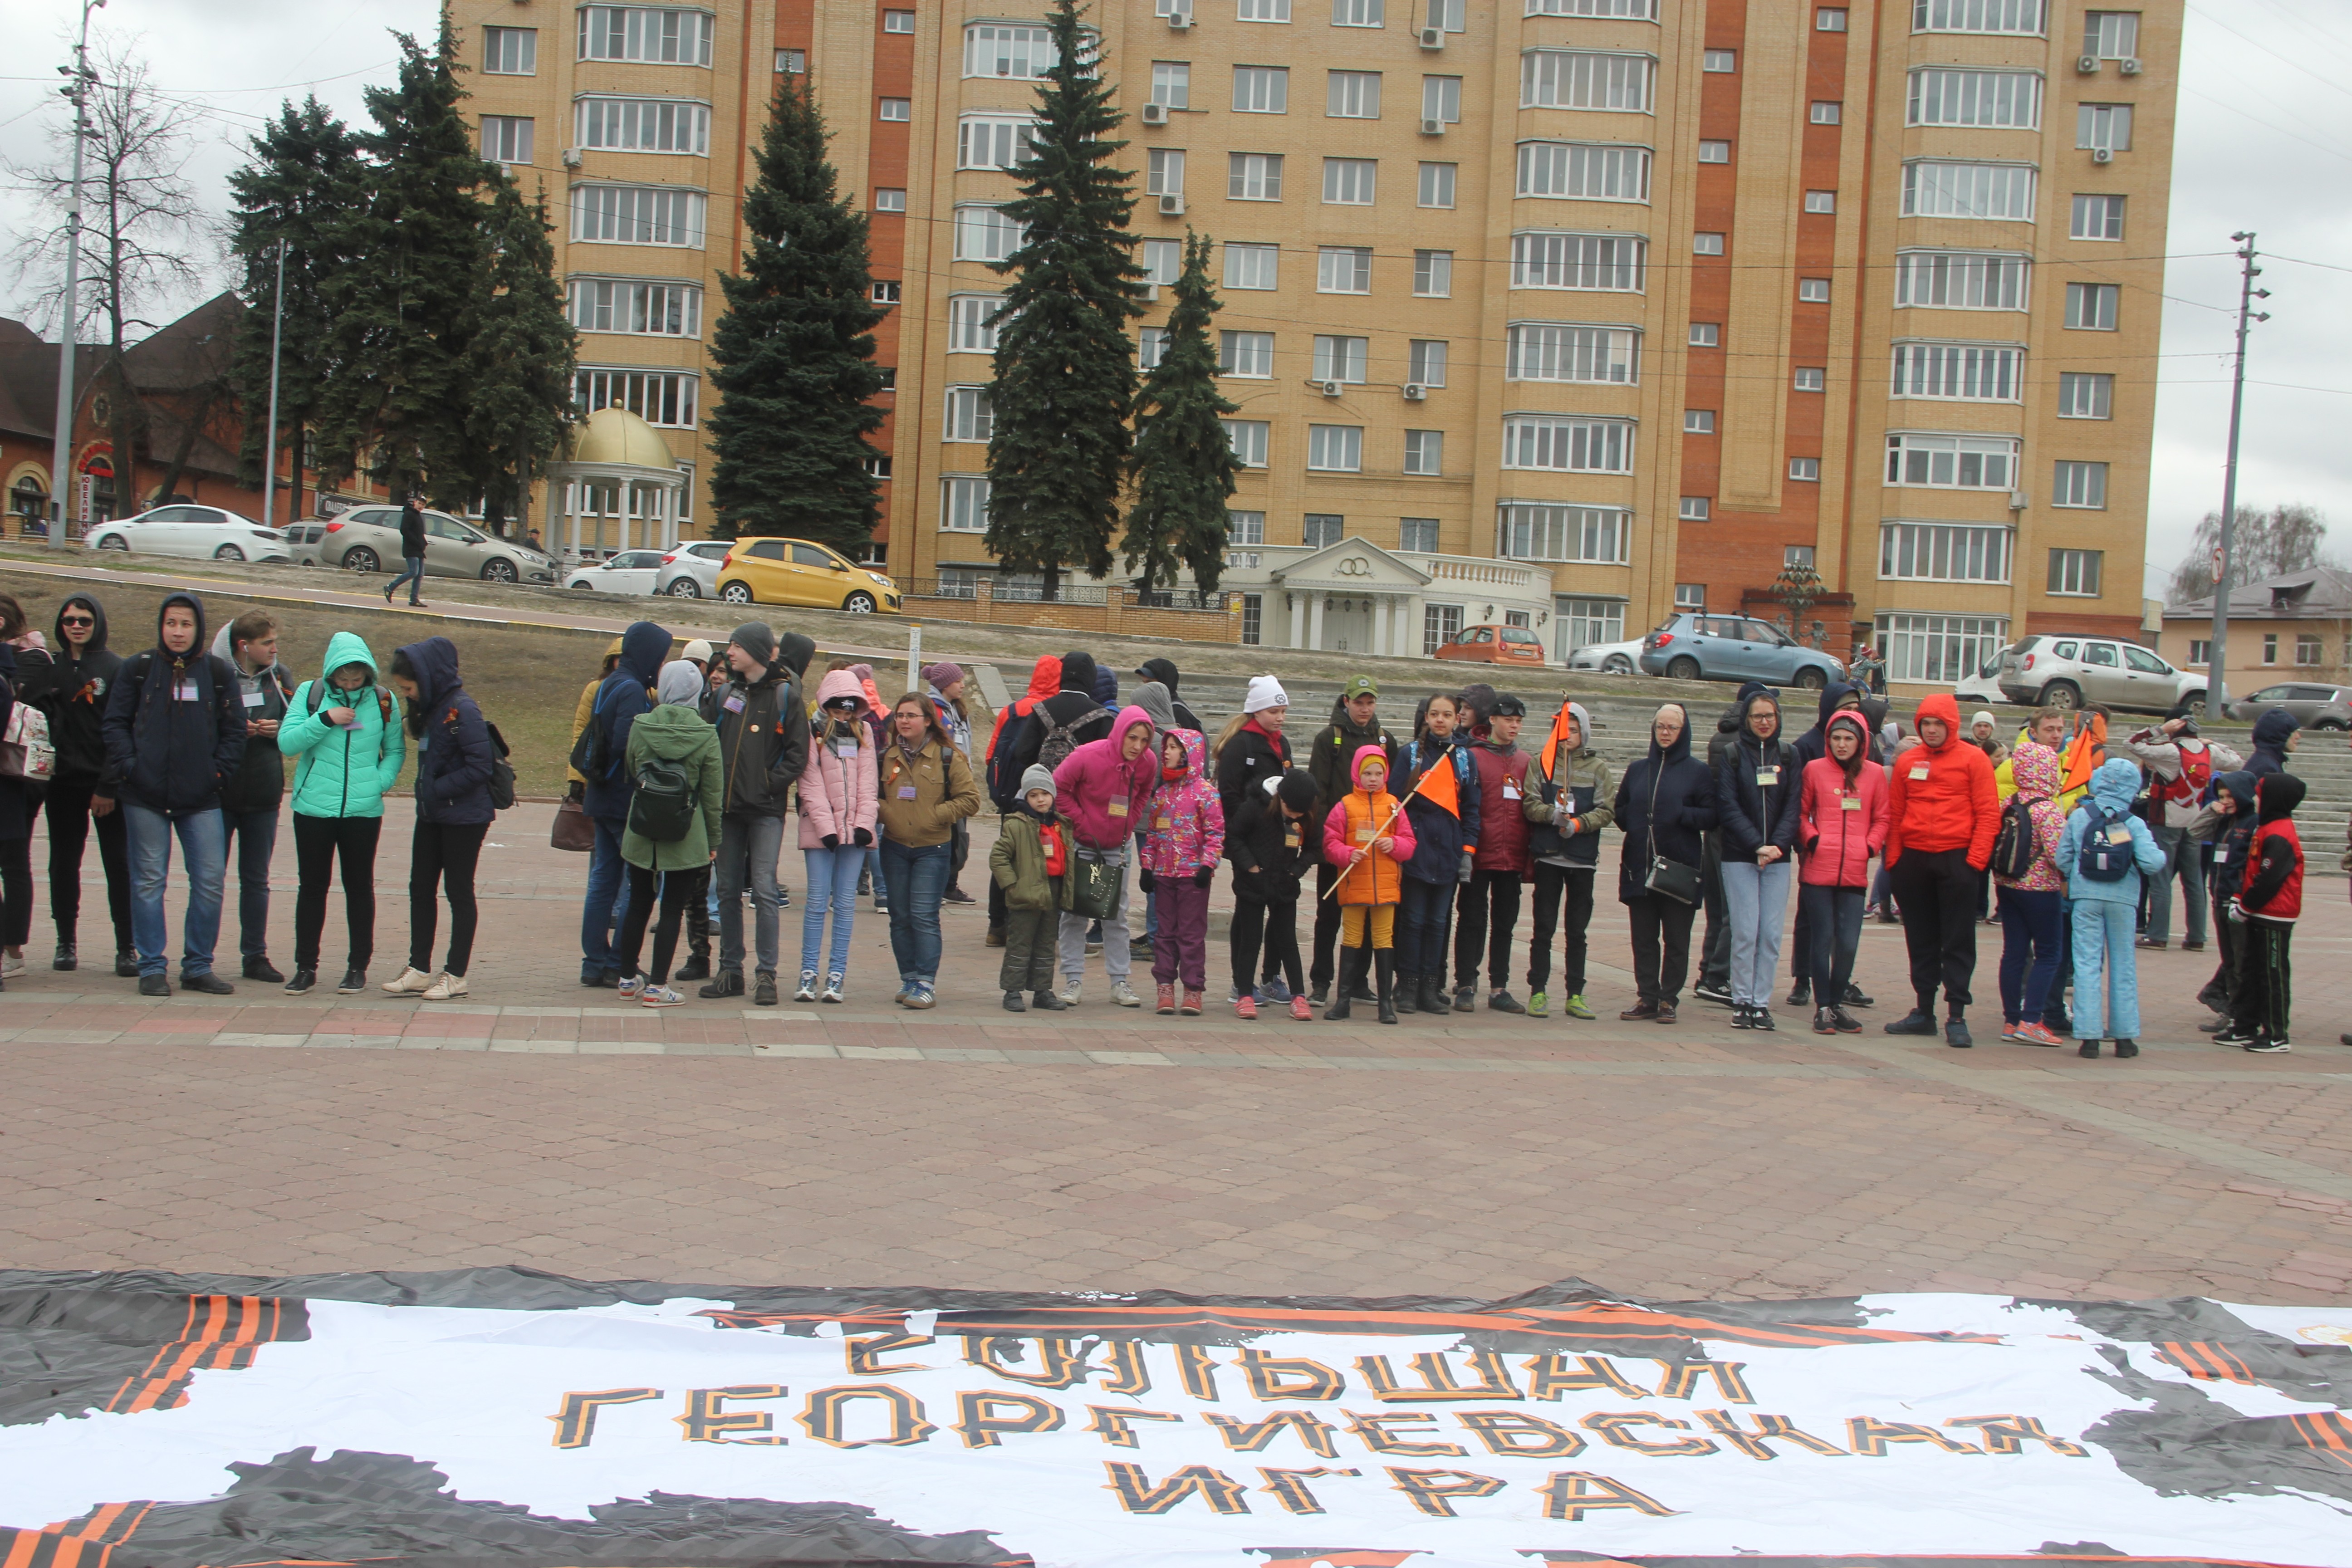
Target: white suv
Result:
[691, 571]
[2068, 671]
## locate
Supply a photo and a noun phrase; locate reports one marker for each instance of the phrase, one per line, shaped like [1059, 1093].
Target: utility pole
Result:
[269, 441]
[78, 78]
[2217, 673]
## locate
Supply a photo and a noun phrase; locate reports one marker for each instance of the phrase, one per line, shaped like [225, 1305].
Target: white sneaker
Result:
[13, 965]
[629, 987]
[833, 988]
[806, 990]
[1069, 993]
[662, 996]
[1124, 994]
[446, 988]
[408, 983]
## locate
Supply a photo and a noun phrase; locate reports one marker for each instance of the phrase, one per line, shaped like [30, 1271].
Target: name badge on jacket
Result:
[733, 704]
[185, 692]
[1116, 808]
[1768, 775]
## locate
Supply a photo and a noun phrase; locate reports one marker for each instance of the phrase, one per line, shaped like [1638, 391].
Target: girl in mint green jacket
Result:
[343, 733]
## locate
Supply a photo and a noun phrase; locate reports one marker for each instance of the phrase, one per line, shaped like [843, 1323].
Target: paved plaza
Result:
[540, 1123]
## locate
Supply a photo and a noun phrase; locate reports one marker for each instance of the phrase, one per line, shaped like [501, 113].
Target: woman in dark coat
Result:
[454, 762]
[1665, 803]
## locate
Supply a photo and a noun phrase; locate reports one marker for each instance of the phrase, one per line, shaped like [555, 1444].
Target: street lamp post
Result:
[269, 441]
[2216, 670]
[80, 77]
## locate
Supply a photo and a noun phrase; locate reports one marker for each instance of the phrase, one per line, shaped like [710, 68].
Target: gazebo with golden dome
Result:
[615, 454]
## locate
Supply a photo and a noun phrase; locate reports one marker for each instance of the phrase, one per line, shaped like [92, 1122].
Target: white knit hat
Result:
[1265, 692]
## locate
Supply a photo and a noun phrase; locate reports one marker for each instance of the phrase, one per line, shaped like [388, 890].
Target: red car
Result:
[1496, 645]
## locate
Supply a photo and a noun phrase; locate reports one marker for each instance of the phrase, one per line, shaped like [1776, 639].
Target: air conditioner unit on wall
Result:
[572, 158]
[2102, 154]
[1171, 206]
[1152, 294]
[1180, 21]
[1155, 114]
[1414, 391]
[2018, 500]
[1432, 37]
[1333, 388]
[2129, 68]
[2088, 64]
[1432, 127]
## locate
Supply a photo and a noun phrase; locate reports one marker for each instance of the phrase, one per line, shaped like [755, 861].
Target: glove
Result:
[1204, 876]
[860, 837]
[2237, 912]
[831, 841]
[1289, 889]
[1463, 874]
[1144, 881]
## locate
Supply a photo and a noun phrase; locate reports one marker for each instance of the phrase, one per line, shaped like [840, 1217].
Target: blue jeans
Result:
[2102, 949]
[1756, 898]
[411, 572]
[748, 848]
[873, 863]
[607, 882]
[254, 834]
[2183, 858]
[2031, 929]
[150, 864]
[1423, 919]
[832, 884]
[918, 876]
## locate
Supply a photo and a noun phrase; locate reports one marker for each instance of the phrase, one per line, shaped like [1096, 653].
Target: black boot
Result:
[1384, 966]
[1343, 994]
[1408, 992]
[1433, 998]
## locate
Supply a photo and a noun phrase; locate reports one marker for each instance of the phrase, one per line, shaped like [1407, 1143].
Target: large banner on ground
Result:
[503, 1417]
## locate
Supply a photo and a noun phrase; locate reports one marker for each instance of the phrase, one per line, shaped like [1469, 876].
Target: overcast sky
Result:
[2263, 137]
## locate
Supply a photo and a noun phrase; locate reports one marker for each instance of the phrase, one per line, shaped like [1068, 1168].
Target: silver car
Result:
[2067, 671]
[691, 571]
[1608, 658]
[367, 539]
[2312, 706]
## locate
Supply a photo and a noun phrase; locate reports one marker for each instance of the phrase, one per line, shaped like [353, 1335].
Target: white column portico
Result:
[613, 447]
[1360, 576]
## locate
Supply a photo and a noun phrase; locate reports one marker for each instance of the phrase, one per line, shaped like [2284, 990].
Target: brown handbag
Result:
[572, 830]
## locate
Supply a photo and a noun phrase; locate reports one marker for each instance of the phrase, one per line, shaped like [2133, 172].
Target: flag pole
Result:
[1382, 831]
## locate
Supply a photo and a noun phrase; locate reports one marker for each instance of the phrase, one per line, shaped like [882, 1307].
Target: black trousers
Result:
[1714, 947]
[443, 854]
[1831, 920]
[319, 842]
[1662, 932]
[1497, 890]
[1327, 924]
[2266, 980]
[2221, 992]
[1265, 942]
[680, 892]
[1938, 890]
[1560, 891]
[69, 824]
[15, 891]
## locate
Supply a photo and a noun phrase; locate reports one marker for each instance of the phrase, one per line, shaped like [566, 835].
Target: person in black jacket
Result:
[174, 734]
[454, 759]
[1164, 671]
[1715, 945]
[72, 692]
[1074, 708]
[1272, 839]
[1664, 805]
[412, 553]
[763, 738]
[602, 756]
[1758, 797]
[1330, 762]
[250, 800]
[1252, 748]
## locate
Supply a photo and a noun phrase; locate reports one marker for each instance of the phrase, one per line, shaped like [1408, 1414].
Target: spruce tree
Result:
[794, 354]
[521, 352]
[301, 185]
[1184, 464]
[397, 394]
[1064, 367]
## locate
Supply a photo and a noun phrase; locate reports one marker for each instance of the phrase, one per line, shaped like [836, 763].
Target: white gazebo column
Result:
[571, 511]
[1380, 634]
[1298, 620]
[1402, 643]
[1314, 620]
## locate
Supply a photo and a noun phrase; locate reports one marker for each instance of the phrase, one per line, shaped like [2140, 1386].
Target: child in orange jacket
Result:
[1370, 839]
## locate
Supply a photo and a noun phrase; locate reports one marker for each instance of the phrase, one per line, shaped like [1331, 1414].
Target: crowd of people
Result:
[1417, 842]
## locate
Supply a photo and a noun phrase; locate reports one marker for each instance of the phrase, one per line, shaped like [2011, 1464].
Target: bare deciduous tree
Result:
[2267, 544]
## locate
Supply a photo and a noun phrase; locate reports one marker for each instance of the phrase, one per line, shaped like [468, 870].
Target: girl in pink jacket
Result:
[1181, 839]
[837, 811]
[1102, 790]
[1841, 823]
[2032, 907]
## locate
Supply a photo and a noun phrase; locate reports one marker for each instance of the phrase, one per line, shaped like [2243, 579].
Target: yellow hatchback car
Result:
[798, 572]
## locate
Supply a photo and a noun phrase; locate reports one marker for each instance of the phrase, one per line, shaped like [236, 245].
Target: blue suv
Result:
[1689, 647]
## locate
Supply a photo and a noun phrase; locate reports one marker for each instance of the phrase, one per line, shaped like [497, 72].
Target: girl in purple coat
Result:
[1179, 845]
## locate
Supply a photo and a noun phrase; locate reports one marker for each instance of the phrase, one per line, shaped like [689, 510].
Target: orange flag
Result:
[1559, 724]
[1440, 786]
[2084, 755]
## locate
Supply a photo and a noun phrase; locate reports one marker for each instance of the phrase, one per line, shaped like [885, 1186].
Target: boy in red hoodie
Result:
[1943, 814]
[2266, 906]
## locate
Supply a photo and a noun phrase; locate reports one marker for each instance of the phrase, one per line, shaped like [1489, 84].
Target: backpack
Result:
[2196, 777]
[591, 754]
[662, 809]
[1061, 740]
[25, 750]
[1004, 780]
[502, 774]
[2100, 858]
[2013, 847]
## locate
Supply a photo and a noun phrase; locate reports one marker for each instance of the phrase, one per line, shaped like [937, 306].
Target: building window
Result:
[1968, 190]
[970, 416]
[2075, 572]
[898, 21]
[1707, 245]
[1714, 151]
[651, 309]
[1568, 445]
[505, 139]
[1691, 597]
[1246, 353]
[999, 143]
[1335, 448]
[2201, 651]
[1953, 462]
[1698, 421]
[642, 33]
[1820, 201]
[1417, 535]
[1828, 111]
[1811, 378]
[1263, 11]
[644, 125]
[1589, 172]
[1829, 19]
[1976, 16]
[2270, 648]
[1163, 261]
[1244, 528]
[1938, 650]
[1347, 182]
[1353, 95]
[637, 214]
[2103, 125]
[1543, 351]
[2097, 217]
[1261, 89]
[1340, 359]
[1942, 553]
[2091, 307]
[993, 48]
[1441, 99]
[1439, 624]
[1809, 469]
[2079, 485]
[964, 504]
[1343, 269]
[888, 200]
[1357, 12]
[1249, 441]
[1571, 79]
[1251, 265]
[1628, 10]
[2111, 34]
[2085, 395]
[1722, 61]
[1424, 452]
[1151, 344]
[897, 109]
[971, 323]
[2306, 649]
[1693, 508]
[1969, 373]
[1253, 176]
[2008, 100]
[1954, 281]
[1706, 334]
[1583, 622]
[510, 51]
[1615, 263]
[1592, 534]
[1813, 291]
[1796, 556]
[1437, 184]
[791, 62]
[1171, 83]
[666, 399]
[878, 465]
[1425, 362]
[1164, 172]
[1323, 529]
[1253, 619]
[1432, 273]
[985, 234]
[1451, 16]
